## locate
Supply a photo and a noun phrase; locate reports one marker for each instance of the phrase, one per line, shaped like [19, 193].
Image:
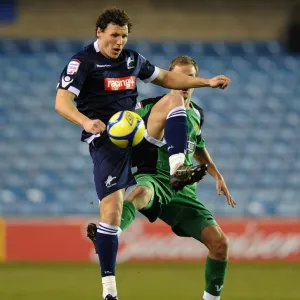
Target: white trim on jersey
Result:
[92, 137]
[96, 46]
[154, 141]
[197, 112]
[153, 76]
[199, 116]
[74, 90]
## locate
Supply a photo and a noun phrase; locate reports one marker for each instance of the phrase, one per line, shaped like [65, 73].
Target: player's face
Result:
[112, 40]
[187, 70]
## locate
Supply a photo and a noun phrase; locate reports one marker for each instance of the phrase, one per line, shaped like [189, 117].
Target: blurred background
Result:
[47, 192]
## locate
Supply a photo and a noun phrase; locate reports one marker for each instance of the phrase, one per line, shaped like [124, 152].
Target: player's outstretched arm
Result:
[65, 107]
[202, 156]
[179, 81]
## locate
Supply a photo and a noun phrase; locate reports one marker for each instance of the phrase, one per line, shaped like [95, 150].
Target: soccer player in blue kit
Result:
[101, 79]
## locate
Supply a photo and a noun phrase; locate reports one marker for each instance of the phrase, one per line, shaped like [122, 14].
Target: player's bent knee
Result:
[111, 218]
[220, 248]
[216, 241]
[174, 100]
[140, 197]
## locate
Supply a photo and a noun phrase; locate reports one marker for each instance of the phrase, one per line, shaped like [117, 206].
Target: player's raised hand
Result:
[94, 126]
[222, 189]
[220, 81]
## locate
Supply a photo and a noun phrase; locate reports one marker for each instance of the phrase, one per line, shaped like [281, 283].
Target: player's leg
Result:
[112, 173]
[147, 197]
[137, 198]
[107, 240]
[150, 193]
[217, 260]
[168, 120]
[189, 218]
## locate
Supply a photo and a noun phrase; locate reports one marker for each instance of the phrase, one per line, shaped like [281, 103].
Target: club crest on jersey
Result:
[129, 63]
[119, 84]
[73, 67]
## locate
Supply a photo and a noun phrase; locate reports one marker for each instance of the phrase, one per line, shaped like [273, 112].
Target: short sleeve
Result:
[74, 74]
[148, 71]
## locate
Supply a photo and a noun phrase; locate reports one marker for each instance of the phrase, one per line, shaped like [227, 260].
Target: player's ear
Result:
[98, 32]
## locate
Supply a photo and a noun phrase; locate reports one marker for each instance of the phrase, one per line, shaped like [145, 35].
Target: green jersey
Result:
[181, 210]
[157, 160]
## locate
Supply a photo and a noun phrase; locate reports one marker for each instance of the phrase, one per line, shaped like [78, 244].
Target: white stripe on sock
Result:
[178, 108]
[107, 232]
[108, 229]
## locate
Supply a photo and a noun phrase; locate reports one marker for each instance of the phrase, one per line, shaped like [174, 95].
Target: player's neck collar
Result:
[96, 46]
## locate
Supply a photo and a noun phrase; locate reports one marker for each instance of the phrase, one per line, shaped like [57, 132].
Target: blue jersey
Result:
[104, 86]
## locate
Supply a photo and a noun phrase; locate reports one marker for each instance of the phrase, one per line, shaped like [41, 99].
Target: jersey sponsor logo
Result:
[65, 81]
[103, 66]
[191, 146]
[119, 84]
[109, 180]
[73, 66]
[129, 61]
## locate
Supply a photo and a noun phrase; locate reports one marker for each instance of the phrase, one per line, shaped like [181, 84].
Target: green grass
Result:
[147, 281]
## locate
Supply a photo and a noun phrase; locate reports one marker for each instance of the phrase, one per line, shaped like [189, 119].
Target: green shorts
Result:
[181, 210]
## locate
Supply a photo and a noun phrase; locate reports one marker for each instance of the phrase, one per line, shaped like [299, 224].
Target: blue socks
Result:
[107, 248]
[176, 130]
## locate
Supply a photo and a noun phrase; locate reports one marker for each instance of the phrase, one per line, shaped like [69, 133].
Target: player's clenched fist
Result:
[94, 126]
[220, 81]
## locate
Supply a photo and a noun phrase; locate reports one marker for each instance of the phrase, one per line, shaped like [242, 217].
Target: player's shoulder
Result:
[148, 101]
[199, 111]
[137, 55]
[85, 53]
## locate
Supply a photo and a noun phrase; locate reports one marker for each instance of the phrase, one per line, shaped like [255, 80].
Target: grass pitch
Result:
[250, 281]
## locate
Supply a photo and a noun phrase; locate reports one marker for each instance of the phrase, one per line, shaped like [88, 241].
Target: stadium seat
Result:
[251, 129]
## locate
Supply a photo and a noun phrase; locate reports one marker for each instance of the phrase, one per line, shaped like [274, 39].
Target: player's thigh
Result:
[112, 168]
[139, 195]
[159, 112]
[214, 238]
[111, 208]
[187, 216]
[161, 194]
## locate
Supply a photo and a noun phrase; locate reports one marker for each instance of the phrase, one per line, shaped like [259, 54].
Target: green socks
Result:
[215, 271]
[128, 214]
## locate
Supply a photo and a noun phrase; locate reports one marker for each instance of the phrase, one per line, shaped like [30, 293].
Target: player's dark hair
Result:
[114, 16]
[182, 61]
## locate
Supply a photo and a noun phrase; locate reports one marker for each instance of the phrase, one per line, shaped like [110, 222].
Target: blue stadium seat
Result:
[251, 129]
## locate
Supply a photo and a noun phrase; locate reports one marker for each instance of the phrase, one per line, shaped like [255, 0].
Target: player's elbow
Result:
[58, 106]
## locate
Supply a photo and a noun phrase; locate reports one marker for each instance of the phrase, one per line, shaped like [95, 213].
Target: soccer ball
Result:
[126, 129]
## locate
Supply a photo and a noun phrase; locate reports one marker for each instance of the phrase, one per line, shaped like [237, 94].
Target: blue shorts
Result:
[112, 166]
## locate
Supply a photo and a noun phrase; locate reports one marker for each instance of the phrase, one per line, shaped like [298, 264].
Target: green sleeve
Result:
[142, 111]
[200, 142]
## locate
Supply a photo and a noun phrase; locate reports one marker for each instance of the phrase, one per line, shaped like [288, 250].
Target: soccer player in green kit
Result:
[181, 209]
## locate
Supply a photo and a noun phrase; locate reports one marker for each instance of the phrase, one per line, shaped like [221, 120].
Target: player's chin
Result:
[115, 53]
[185, 94]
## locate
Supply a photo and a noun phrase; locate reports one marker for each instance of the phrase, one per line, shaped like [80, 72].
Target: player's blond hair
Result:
[182, 61]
